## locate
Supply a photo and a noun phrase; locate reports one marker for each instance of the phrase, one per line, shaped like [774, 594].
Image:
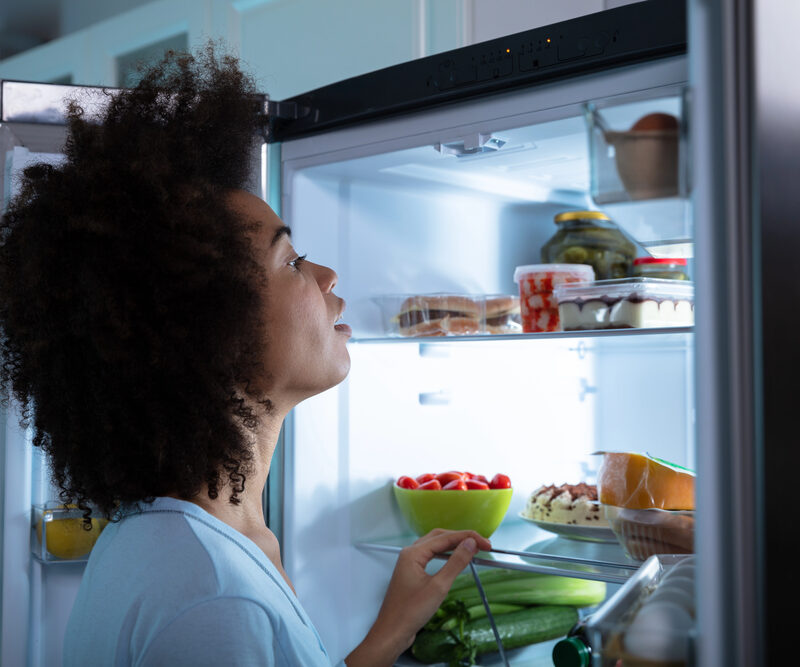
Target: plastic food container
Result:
[667, 268]
[590, 237]
[623, 304]
[650, 620]
[57, 533]
[538, 305]
[644, 533]
[437, 314]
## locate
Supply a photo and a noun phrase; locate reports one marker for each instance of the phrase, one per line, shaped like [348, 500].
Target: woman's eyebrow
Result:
[282, 231]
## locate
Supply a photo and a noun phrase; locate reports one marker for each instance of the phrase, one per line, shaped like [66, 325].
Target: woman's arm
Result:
[414, 595]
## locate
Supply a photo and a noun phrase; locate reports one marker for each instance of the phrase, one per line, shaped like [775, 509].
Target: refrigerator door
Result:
[38, 590]
[36, 598]
[451, 199]
[747, 157]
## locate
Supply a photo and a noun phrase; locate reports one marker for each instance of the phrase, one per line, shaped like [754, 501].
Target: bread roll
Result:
[502, 315]
[438, 315]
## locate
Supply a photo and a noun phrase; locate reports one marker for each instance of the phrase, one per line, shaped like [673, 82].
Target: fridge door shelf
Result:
[537, 550]
[646, 163]
[607, 627]
[58, 534]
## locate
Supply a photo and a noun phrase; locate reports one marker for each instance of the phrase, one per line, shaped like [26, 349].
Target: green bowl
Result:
[476, 509]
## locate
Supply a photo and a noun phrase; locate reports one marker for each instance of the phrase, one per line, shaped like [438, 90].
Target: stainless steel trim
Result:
[728, 496]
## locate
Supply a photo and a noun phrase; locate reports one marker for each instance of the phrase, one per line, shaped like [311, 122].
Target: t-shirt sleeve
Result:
[223, 631]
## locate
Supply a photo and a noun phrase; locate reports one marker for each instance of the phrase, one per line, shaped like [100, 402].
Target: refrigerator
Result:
[443, 174]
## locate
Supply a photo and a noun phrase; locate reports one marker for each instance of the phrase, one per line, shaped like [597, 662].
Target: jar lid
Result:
[659, 260]
[580, 215]
[583, 272]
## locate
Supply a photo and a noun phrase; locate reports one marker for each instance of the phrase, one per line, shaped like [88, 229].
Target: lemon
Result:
[66, 537]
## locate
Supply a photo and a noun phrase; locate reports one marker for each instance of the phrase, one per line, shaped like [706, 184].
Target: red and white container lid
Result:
[580, 272]
[679, 261]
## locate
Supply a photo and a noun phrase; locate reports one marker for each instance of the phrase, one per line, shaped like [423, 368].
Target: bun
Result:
[502, 315]
[439, 315]
[457, 304]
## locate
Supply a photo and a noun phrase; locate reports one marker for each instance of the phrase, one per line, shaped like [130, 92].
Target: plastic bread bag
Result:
[641, 481]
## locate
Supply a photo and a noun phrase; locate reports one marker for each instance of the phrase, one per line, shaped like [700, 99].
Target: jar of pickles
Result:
[668, 268]
[590, 237]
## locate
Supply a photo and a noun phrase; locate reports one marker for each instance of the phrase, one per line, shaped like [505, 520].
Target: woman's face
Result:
[305, 351]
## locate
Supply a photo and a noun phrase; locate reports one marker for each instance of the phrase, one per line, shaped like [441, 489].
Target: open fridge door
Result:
[39, 580]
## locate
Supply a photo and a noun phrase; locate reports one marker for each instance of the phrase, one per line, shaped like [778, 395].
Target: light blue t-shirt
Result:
[173, 585]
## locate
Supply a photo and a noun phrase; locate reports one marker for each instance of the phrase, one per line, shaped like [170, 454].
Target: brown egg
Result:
[656, 121]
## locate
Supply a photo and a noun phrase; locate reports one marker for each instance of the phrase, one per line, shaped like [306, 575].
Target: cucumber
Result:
[479, 611]
[518, 628]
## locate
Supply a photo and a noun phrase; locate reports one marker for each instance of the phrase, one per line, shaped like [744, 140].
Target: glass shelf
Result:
[593, 333]
[539, 551]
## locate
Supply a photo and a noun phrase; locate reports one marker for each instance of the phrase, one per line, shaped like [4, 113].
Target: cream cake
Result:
[626, 303]
[574, 504]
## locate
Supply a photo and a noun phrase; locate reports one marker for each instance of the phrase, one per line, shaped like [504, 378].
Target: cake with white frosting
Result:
[574, 504]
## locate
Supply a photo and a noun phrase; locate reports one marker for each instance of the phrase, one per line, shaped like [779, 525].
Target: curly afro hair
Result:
[129, 295]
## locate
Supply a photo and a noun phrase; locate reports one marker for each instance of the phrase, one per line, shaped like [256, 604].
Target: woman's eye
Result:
[297, 262]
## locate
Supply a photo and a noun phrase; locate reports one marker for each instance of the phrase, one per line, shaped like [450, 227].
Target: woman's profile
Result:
[156, 327]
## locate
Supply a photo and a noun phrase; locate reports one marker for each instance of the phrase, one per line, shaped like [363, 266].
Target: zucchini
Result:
[518, 628]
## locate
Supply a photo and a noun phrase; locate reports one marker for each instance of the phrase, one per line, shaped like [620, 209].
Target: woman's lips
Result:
[343, 328]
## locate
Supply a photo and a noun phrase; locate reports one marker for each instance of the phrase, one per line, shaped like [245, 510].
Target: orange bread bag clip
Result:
[638, 481]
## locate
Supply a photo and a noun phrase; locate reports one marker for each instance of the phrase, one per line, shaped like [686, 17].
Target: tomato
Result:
[500, 481]
[405, 482]
[478, 478]
[456, 485]
[451, 475]
[432, 485]
[427, 477]
[476, 484]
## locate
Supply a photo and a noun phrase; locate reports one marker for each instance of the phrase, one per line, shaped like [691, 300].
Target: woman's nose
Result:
[326, 277]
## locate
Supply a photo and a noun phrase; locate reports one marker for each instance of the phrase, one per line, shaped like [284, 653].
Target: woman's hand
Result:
[414, 595]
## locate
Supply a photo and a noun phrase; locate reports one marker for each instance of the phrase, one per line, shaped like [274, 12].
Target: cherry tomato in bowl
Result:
[406, 482]
[450, 476]
[455, 485]
[500, 481]
[427, 477]
[431, 485]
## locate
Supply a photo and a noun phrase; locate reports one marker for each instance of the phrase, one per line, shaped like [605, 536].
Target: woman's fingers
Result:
[439, 541]
[460, 558]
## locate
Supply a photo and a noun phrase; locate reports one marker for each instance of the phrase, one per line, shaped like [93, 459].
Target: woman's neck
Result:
[247, 517]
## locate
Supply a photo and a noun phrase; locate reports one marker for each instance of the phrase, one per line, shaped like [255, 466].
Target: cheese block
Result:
[638, 481]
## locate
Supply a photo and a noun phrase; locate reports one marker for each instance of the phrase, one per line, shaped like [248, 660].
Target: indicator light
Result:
[548, 40]
[508, 50]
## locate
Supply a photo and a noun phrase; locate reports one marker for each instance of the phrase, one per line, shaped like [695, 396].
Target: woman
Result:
[157, 326]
